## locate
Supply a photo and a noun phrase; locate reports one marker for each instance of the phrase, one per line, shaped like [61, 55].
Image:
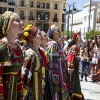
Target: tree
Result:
[67, 33]
[92, 33]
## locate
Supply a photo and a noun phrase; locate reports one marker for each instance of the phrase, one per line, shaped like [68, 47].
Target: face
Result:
[61, 40]
[57, 34]
[38, 38]
[86, 48]
[45, 38]
[16, 26]
[79, 37]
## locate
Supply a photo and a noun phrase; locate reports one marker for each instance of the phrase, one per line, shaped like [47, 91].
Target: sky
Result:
[80, 3]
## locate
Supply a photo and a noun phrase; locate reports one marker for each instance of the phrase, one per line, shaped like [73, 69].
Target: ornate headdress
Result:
[5, 22]
[51, 30]
[29, 32]
[75, 36]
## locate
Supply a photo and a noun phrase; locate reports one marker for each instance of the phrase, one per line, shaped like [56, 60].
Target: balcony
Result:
[11, 3]
[76, 23]
[98, 20]
[42, 16]
[31, 18]
[22, 17]
[55, 19]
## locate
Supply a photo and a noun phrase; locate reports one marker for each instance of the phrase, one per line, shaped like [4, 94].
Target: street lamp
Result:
[42, 14]
[70, 11]
[89, 15]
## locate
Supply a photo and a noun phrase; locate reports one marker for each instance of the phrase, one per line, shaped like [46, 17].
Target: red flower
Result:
[75, 36]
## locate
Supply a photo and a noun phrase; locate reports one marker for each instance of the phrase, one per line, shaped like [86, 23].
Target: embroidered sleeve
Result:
[5, 55]
[28, 67]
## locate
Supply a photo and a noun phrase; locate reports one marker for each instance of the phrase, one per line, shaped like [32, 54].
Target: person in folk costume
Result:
[35, 59]
[11, 59]
[57, 88]
[96, 76]
[73, 62]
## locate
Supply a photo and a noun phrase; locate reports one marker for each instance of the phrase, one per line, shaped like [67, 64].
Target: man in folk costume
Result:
[73, 62]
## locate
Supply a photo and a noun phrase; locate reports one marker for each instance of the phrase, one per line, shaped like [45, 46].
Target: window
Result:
[85, 18]
[22, 13]
[5, 0]
[5, 9]
[22, 3]
[98, 14]
[11, 9]
[64, 5]
[38, 4]
[47, 6]
[1, 9]
[10, 1]
[31, 13]
[1, 0]
[31, 4]
[78, 20]
[55, 15]
[81, 19]
[55, 6]
[43, 5]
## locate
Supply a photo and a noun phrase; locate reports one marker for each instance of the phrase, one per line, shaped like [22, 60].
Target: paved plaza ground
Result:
[90, 90]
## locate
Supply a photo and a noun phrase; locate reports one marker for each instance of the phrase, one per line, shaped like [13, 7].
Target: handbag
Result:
[94, 60]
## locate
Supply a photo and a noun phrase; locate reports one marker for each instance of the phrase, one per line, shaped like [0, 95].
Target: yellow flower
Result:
[27, 28]
[26, 34]
[29, 25]
[24, 41]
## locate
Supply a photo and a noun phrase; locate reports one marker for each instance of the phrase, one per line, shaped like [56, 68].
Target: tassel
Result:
[76, 96]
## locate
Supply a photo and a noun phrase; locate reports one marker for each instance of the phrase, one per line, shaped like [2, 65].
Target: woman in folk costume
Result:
[57, 88]
[73, 62]
[33, 71]
[11, 59]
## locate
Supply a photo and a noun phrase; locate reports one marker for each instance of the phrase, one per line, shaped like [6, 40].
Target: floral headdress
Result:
[5, 22]
[51, 30]
[29, 32]
[75, 36]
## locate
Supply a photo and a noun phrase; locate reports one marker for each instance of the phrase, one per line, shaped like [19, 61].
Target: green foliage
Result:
[92, 33]
[67, 33]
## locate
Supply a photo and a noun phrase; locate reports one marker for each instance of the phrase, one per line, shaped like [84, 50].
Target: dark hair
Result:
[87, 50]
[71, 43]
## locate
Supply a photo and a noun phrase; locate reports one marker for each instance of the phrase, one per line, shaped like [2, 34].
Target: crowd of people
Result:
[35, 65]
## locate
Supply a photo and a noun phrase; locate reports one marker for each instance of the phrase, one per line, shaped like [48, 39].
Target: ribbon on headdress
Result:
[5, 22]
[29, 33]
[33, 30]
[51, 30]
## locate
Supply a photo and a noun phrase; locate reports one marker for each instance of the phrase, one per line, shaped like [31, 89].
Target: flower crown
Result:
[26, 33]
[75, 36]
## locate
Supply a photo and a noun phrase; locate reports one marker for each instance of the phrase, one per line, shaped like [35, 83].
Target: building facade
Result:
[98, 18]
[42, 13]
[7, 5]
[81, 19]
